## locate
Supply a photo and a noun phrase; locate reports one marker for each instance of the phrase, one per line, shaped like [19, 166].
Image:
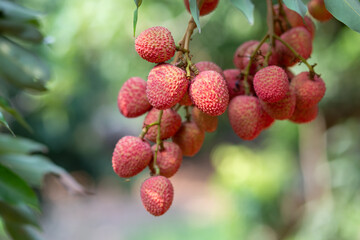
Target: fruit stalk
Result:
[270, 23]
[158, 143]
[146, 129]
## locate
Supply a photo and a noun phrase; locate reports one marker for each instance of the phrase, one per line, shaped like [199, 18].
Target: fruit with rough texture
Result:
[209, 92]
[271, 84]
[207, 7]
[318, 10]
[132, 100]
[155, 44]
[157, 194]
[234, 82]
[131, 155]
[304, 115]
[168, 159]
[300, 40]
[308, 91]
[189, 138]
[186, 100]
[170, 124]
[245, 116]
[208, 66]
[204, 121]
[259, 58]
[265, 120]
[166, 86]
[240, 53]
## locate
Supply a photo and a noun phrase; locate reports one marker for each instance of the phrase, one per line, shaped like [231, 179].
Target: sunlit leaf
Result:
[246, 7]
[297, 5]
[194, 10]
[5, 105]
[23, 31]
[4, 123]
[19, 213]
[22, 232]
[346, 11]
[9, 144]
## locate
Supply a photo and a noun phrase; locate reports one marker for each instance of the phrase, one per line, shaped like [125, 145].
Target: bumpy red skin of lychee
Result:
[208, 66]
[170, 124]
[318, 10]
[304, 115]
[271, 84]
[240, 53]
[186, 100]
[234, 82]
[168, 159]
[132, 100]
[157, 194]
[166, 86]
[245, 116]
[282, 109]
[155, 44]
[209, 92]
[131, 155]
[190, 138]
[265, 120]
[299, 39]
[207, 7]
[308, 92]
[204, 121]
[258, 61]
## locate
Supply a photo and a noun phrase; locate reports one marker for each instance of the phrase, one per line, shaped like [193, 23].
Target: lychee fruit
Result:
[186, 100]
[170, 124]
[308, 91]
[155, 44]
[234, 82]
[300, 40]
[265, 120]
[209, 92]
[166, 86]
[132, 100]
[204, 121]
[304, 115]
[259, 57]
[245, 116]
[168, 159]
[207, 7]
[271, 84]
[240, 53]
[318, 10]
[189, 138]
[131, 155]
[208, 66]
[157, 194]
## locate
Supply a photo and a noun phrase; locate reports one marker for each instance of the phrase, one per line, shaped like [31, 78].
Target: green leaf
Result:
[10, 10]
[297, 6]
[14, 190]
[4, 104]
[246, 7]
[138, 3]
[21, 67]
[135, 19]
[194, 10]
[22, 232]
[4, 123]
[19, 213]
[20, 30]
[346, 11]
[9, 144]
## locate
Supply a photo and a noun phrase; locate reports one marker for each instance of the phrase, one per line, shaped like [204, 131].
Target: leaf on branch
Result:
[246, 7]
[4, 123]
[22, 232]
[5, 105]
[9, 144]
[194, 10]
[297, 6]
[23, 31]
[135, 19]
[11, 10]
[18, 213]
[346, 11]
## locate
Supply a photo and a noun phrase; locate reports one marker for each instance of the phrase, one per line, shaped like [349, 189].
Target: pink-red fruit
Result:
[166, 86]
[318, 10]
[208, 66]
[209, 93]
[157, 194]
[207, 7]
[131, 155]
[240, 53]
[234, 82]
[132, 100]
[170, 124]
[304, 115]
[271, 84]
[204, 121]
[155, 45]
[168, 159]
[189, 138]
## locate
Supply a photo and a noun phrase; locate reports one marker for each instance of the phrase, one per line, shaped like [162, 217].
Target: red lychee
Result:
[189, 138]
[155, 44]
[204, 121]
[265, 120]
[186, 100]
[318, 10]
[258, 61]
[240, 53]
[271, 84]
[170, 124]
[157, 194]
[166, 86]
[131, 155]
[304, 115]
[207, 7]
[234, 82]
[208, 66]
[132, 100]
[209, 93]
[168, 159]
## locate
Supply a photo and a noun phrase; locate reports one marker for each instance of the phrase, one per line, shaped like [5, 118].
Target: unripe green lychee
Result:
[304, 115]
[189, 138]
[300, 40]
[308, 91]
[204, 121]
[318, 10]
[168, 159]
[208, 66]
[240, 53]
[271, 84]
[170, 124]
[155, 44]
[207, 7]
[157, 194]
[131, 155]
[132, 100]
[208, 91]
[245, 115]
[234, 82]
[166, 86]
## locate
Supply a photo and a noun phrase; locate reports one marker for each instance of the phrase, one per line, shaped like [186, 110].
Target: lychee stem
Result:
[146, 129]
[188, 114]
[270, 23]
[158, 144]
[282, 13]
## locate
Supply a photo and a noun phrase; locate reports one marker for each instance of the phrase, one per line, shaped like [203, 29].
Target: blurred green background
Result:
[290, 183]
